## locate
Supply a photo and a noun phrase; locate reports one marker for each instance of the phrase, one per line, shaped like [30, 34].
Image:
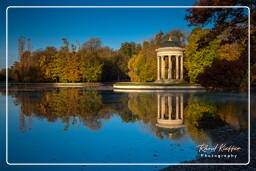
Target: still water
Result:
[79, 126]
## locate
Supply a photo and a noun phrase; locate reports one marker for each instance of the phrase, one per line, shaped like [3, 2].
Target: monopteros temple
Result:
[170, 62]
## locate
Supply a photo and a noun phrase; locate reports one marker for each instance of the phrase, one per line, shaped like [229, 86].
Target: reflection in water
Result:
[171, 115]
[208, 111]
[170, 110]
[105, 126]
[68, 105]
[170, 107]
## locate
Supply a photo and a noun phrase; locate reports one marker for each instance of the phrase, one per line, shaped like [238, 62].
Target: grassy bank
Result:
[153, 84]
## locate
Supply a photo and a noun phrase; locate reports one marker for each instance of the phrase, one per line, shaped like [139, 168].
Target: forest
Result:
[214, 57]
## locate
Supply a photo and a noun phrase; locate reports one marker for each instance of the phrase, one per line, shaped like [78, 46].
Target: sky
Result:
[46, 26]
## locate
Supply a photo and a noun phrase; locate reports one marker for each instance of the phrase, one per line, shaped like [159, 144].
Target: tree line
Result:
[89, 62]
[73, 63]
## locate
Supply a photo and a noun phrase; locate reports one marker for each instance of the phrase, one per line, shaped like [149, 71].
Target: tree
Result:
[196, 57]
[72, 70]
[2, 75]
[92, 45]
[143, 66]
[110, 68]
[222, 74]
[91, 68]
[232, 20]
[21, 45]
[230, 52]
[124, 54]
[232, 25]
[25, 70]
[47, 63]
[179, 36]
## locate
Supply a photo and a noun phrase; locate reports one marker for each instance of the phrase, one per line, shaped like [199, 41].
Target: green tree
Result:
[196, 57]
[124, 54]
[91, 70]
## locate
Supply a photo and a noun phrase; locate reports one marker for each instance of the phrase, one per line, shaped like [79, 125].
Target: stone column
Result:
[170, 67]
[181, 67]
[158, 106]
[163, 107]
[163, 68]
[170, 106]
[158, 67]
[177, 107]
[177, 67]
[181, 107]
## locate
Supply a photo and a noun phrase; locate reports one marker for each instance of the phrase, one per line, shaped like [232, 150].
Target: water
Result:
[78, 126]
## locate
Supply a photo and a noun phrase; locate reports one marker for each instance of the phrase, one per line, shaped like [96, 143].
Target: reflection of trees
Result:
[207, 112]
[202, 111]
[118, 104]
[144, 106]
[196, 116]
[67, 105]
[233, 113]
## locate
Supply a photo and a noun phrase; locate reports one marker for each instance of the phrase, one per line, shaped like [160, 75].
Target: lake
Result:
[71, 125]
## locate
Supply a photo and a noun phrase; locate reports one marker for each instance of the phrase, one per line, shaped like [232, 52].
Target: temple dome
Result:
[169, 43]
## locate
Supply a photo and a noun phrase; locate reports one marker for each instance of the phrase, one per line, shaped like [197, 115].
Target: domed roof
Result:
[169, 43]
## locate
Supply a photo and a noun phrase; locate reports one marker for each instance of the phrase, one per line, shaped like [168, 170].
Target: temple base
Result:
[174, 81]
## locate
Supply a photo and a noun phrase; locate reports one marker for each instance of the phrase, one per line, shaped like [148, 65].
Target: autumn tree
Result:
[21, 46]
[26, 70]
[124, 54]
[47, 63]
[92, 45]
[231, 24]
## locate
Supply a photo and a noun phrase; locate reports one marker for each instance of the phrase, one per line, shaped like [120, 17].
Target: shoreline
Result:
[148, 86]
[51, 86]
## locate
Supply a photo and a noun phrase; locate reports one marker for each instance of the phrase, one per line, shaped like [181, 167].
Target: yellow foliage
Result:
[230, 52]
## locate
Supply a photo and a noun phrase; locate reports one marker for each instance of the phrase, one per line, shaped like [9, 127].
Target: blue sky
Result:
[46, 26]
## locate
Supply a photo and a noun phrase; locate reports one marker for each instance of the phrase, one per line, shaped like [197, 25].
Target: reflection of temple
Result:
[22, 119]
[170, 110]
